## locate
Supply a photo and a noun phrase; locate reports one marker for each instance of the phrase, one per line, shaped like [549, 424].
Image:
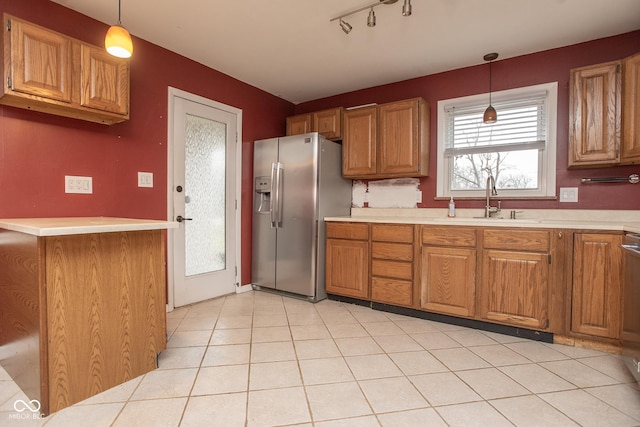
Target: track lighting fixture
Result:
[345, 27]
[371, 18]
[490, 116]
[118, 40]
[406, 8]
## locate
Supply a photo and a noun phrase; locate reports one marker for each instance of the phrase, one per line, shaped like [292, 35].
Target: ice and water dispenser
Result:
[262, 194]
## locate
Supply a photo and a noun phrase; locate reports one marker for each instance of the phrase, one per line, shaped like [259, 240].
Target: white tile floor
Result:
[258, 359]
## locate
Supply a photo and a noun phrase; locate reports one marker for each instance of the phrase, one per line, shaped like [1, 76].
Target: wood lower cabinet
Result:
[392, 275]
[515, 277]
[597, 273]
[80, 313]
[448, 270]
[52, 73]
[347, 259]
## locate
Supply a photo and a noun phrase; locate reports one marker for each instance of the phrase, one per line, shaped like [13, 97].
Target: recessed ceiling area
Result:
[290, 48]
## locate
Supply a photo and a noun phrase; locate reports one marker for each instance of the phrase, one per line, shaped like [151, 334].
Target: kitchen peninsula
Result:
[82, 304]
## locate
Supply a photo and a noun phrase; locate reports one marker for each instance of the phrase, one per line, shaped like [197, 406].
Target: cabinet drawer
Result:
[392, 251]
[391, 291]
[347, 230]
[396, 269]
[392, 233]
[449, 236]
[520, 240]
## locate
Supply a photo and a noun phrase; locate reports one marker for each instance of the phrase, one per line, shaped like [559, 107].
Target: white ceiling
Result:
[290, 49]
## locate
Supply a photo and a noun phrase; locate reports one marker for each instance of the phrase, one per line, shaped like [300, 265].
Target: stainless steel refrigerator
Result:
[297, 182]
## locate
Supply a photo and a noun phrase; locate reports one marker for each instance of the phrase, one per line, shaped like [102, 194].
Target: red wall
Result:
[37, 150]
[541, 67]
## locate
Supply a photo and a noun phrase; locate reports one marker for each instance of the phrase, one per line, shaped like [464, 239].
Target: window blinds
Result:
[520, 126]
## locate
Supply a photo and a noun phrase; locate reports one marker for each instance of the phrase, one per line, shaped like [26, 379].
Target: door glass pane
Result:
[205, 188]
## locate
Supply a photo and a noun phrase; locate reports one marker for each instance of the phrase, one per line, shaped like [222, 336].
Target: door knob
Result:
[180, 218]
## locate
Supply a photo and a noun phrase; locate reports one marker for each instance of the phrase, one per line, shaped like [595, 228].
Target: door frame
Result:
[177, 93]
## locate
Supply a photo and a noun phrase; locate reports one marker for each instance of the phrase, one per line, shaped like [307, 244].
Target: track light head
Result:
[406, 8]
[371, 19]
[345, 27]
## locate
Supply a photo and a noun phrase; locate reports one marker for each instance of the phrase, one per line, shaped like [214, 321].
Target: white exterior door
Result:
[202, 198]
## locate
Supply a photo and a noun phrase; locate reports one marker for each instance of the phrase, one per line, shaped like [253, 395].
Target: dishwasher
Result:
[631, 304]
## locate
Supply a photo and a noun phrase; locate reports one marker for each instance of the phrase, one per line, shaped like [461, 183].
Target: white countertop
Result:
[81, 225]
[628, 221]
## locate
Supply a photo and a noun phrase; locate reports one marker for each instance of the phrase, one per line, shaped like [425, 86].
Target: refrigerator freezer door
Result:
[296, 238]
[263, 263]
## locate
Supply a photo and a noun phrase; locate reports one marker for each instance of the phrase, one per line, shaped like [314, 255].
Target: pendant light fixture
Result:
[118, 40]
[490, 115]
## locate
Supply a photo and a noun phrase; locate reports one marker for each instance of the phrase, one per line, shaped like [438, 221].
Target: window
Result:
[519, 150]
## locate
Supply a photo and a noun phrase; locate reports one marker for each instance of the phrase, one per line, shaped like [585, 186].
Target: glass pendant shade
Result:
[118, 42]
[490, 115]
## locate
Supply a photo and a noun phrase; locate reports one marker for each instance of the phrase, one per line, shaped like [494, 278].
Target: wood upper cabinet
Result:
[402, 138]
[595, 112]
[299, 124]
[359, 144]
[515, 277]
[347, 259]
[631, 110]
[387, 141]
[39, 61]
[392, 263]
[604, 114]
[597, 272]
[52, 73]
[327, 123]
[105, 81]
[448, 270]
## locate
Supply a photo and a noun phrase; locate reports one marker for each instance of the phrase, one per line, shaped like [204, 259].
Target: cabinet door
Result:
[347, 268]
[359, 143]
[448, 280]
[399, 139]
[515, 288]
[105, 81]
[40, 61]
[299, 124]
[631, 110]
[597, 274]
[328, 123]
[595, 115]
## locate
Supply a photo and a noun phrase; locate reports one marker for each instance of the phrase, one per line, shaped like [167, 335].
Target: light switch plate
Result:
[145, 179]
[568, 194]
[78, 184]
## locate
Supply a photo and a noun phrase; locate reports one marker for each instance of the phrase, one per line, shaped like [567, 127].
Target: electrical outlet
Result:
[78, 184]
[145, 179]
[568, 194]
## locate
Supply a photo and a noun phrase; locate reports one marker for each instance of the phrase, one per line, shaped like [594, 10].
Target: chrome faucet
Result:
[491, 191]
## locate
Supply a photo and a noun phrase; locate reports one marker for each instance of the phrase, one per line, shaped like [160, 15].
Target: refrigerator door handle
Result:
[279, 192]
[272, 199]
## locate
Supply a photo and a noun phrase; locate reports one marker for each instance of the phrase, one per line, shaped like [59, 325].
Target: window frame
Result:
[546, 156]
